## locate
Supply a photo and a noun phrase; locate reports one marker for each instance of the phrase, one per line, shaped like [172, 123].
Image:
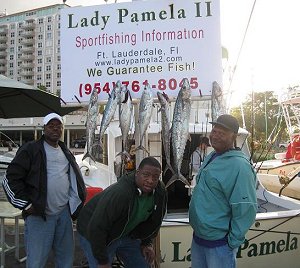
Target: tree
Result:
[262, 117]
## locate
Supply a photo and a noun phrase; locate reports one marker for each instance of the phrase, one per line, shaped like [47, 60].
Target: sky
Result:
[270, 57]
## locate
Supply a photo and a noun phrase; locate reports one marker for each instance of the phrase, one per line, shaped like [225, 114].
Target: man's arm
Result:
[14, 181]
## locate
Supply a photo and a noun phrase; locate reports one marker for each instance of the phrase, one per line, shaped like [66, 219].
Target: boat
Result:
[280, 174]
[272, 239]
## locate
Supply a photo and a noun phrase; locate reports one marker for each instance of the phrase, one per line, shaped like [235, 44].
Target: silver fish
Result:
[145, 113]
[180, 130]
[109, 111]
[165, 122]
[125, 118]
[217, 101]
[91, 124]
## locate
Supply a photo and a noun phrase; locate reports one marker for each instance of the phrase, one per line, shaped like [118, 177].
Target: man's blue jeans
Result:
[55, 233]
[217, 257]
[127, 249]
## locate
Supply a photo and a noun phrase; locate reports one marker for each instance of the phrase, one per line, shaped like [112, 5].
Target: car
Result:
[79, 143]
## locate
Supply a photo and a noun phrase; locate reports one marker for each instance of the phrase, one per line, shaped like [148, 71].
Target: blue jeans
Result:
[55, 233]
[127, 249]
[205, 257]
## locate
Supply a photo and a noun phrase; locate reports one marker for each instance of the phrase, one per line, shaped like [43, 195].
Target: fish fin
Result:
[141, 147]
[168, 167]
[176, 177]
[122, 154]
[88, 155]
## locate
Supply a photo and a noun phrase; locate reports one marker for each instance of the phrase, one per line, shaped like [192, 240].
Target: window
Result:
[39, 69]
[12, 41]
[38, 77]
[40, 45]
[38, 84]
[49, 27]
[11, 72]
[49, 35]
[49, 19]
[12, 34]
[58, 67]
[11, 57]
[40, 21]
[58, 75]
[48, 59]
[11, 49]
[48, 84]
[48, 68]
[58, 83]
[11, 65]
[58, 58]
[12, 26]
[58, 50]
[40, 53]
[40, 61]
[40, 37]
[48, 76]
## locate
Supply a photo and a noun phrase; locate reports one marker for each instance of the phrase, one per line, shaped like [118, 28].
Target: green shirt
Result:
[142, 209]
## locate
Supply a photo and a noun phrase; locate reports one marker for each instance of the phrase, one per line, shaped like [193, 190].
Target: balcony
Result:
[3, 38]
[27, 57]
[27, 41]
[3, 60]
[27, 33]
[28, 25]
[3, 46]
[27, 49]
[27, 72]
[2, 68]
[27, 64]
[3, 29]
[27, 80]
[3, 53]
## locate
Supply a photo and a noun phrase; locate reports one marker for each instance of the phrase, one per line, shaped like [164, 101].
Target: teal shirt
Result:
[224, 199]
[142, 209]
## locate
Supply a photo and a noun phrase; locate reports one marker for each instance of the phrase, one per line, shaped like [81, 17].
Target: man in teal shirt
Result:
[223, 205]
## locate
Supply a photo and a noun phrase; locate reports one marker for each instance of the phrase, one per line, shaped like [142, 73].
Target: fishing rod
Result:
[285, 180]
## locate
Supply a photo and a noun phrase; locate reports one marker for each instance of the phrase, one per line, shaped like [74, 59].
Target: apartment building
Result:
[30, 53]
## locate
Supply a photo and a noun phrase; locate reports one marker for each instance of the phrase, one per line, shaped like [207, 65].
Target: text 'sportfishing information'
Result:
[155, 42]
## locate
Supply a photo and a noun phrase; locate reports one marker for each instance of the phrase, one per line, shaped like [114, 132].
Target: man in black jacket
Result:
[45, 182]
[124, 218]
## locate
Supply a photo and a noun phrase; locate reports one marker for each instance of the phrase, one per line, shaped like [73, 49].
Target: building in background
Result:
[30, 53]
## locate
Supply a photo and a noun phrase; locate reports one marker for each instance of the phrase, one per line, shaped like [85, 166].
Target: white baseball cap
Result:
[51, 116]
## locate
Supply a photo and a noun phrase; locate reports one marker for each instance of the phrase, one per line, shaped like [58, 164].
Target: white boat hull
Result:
[276, 248]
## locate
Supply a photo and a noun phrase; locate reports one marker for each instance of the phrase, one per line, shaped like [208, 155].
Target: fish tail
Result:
[141, 147]
[177, 177]
[124, 153]
[88, 155]
[168, 167]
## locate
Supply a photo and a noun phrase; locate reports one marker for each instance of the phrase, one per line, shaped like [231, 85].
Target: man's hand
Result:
[148, 253]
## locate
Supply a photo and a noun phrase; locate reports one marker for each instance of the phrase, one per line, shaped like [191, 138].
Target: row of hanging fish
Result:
[178, 133]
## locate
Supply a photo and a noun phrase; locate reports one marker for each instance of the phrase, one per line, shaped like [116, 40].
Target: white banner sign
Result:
[155, 42]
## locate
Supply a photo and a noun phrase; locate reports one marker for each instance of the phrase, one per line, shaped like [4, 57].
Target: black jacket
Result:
[25, 180]
[105, 216]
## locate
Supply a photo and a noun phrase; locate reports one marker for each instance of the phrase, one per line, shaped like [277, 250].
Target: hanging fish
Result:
[91, 124]
[180, 130]
[165, 127]
[109, 111]
[217, 101]
[125, 119]
[145, 113]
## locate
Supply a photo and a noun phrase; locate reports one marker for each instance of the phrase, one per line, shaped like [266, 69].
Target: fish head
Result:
[94, 97]
[185, 90]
